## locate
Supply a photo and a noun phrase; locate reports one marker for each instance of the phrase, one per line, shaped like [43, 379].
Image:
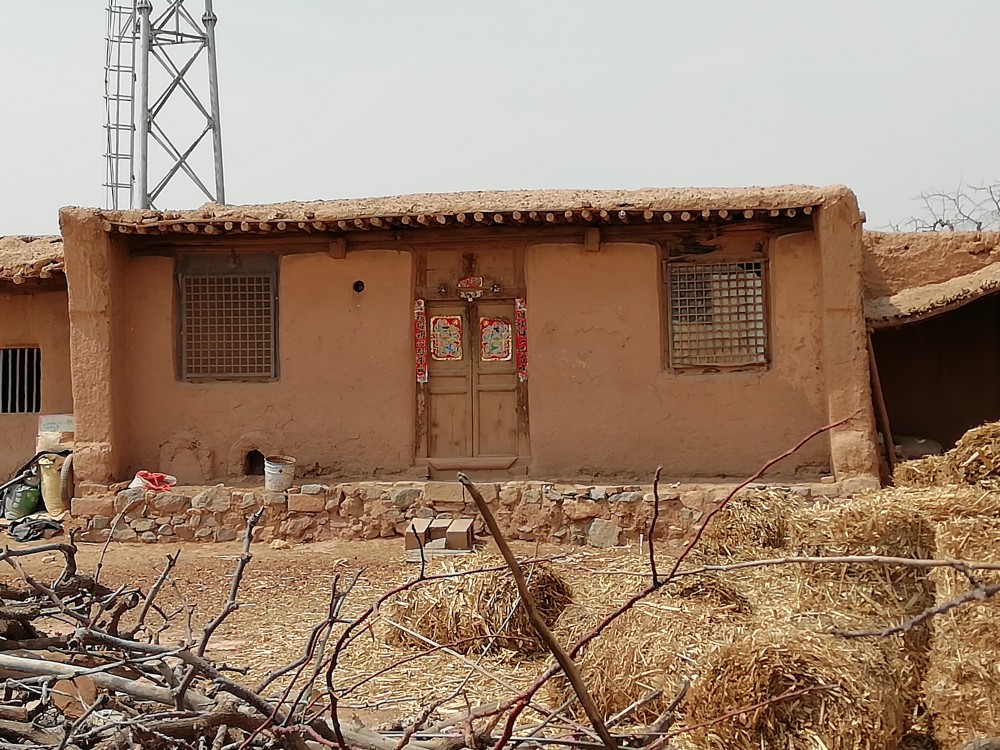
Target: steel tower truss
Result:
[170, 43]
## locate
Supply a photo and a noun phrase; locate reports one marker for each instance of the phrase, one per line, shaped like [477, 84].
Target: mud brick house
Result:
[558, 334]
[932, 305]
[34, 343]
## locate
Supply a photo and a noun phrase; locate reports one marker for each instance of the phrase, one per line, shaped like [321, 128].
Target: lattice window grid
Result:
[717, 314]
[228, 326]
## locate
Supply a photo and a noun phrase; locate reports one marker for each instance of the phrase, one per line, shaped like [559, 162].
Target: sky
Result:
[324, 100]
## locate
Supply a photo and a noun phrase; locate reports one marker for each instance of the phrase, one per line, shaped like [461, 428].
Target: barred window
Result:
[717, 313]
[228, 318]
[21, 380]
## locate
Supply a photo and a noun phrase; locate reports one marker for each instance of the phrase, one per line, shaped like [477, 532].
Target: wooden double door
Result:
[475, 409]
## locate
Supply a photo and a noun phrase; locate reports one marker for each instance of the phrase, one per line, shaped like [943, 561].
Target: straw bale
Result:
[862, 527]
[857, 705]
[752, 521]
[962, 689]
[937, 503]
[976, 456]
[469, 610]
[656, 645]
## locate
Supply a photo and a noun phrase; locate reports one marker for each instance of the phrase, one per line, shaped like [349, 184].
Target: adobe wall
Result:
[603, 402]
[343, 404]
[903, 260]
[35, 319]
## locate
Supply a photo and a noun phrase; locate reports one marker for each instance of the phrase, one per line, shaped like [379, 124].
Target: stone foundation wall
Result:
[602, 516]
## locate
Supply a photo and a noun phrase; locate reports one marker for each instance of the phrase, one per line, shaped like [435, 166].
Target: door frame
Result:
[428, 291]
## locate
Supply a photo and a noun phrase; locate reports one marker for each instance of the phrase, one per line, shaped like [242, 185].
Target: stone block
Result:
[249, 500]
[603, 533]
[314, 489]
[148, 537]
[444, 492]
[95, 535]
[532, 496]
[214, 499]
[626, 497]
[274, 498]
[100, 522]
[134, 497]
[404, 498]
[578, 509]
[203, 534]
[296, 526]
[143, 525]
[85, 507]
[184, 533]
[124, 533]
[352, 507]
[171, 502]
[165, 530]
[306, 503]
[226, 535]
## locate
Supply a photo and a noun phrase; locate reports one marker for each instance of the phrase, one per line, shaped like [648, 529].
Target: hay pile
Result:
[656, 645]
[857, 703]
[962, 688]
[468, 611]
[975, 459]
[751, 522]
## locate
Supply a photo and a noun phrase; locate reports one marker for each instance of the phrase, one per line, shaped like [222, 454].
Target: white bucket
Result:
[279, 471]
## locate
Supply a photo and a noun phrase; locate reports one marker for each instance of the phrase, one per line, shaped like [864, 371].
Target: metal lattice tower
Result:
[151, 63]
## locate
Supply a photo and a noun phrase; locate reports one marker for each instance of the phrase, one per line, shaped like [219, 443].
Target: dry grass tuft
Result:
[929, 471]
[468, 611]
[752, 521]
[857, 703]
[656, 645]
[939, 503]
[962, 688]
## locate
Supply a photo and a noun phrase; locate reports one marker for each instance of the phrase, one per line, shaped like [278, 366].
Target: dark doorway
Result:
[940, 377]
[253, 464]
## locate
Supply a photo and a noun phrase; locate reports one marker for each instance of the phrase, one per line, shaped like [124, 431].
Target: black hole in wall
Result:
[358, 286]
[253, 464]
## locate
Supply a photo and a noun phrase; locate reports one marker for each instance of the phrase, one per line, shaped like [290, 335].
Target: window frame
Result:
[36, 392]
[714, 259]
[224, 265]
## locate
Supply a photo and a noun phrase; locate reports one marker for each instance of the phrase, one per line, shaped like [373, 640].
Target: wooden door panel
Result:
[497, 423]
[449, 421]
[449, 407]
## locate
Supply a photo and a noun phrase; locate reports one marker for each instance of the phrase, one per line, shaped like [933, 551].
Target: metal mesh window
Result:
[21, 380]
[228, 325]
[717, 313]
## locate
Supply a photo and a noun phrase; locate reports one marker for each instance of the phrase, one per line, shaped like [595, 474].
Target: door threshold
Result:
[477, 463]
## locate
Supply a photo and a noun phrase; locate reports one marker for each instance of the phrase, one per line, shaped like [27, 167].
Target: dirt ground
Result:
[284, 593]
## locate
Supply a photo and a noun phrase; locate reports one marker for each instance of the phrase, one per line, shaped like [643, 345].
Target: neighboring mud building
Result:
[559, 334]
[34, 343]
[930, 298]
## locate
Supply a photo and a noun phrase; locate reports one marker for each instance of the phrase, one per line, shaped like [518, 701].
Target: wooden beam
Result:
[807, 210]
[592, 239]
[498, 218]
[319, 226]
[282, 226]
[244, 226]
[748, 214]
[647, 215]
[668, 217]
[686, 216]
[338, 248]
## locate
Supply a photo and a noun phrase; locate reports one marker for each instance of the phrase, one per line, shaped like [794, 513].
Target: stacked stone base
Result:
[601, 516]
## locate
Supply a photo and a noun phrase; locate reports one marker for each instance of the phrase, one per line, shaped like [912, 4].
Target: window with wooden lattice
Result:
[717, 313]
[20, 380]
[228, 317]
